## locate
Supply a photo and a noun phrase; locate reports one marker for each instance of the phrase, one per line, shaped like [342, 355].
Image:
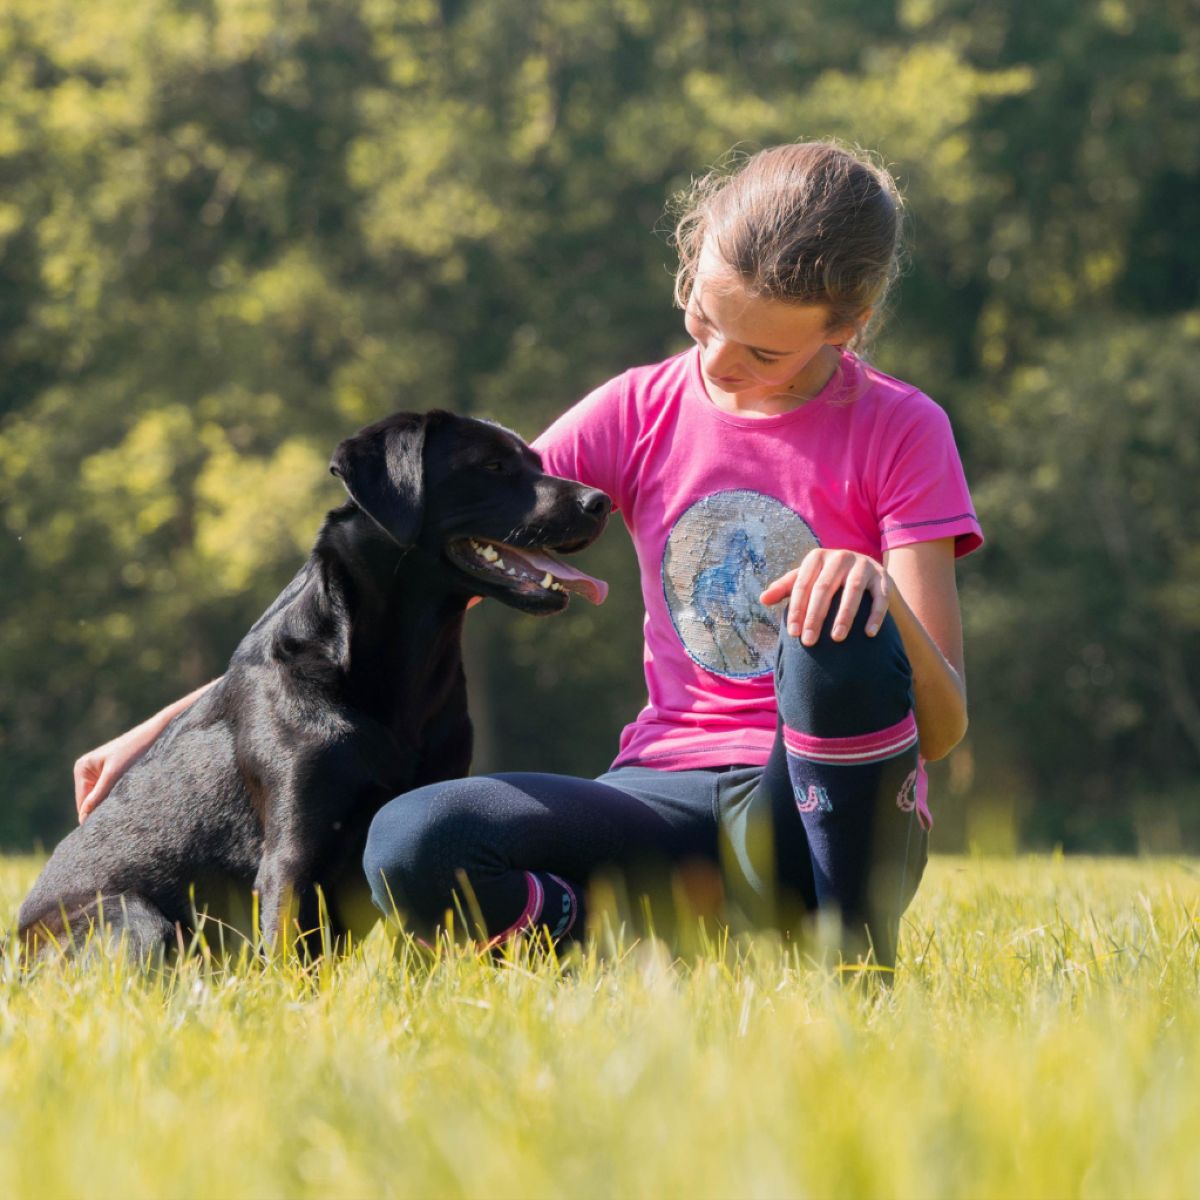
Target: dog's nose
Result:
[595, 503]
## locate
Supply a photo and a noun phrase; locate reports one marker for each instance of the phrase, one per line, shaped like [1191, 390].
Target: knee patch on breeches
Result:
[844, 689]
[416, 844]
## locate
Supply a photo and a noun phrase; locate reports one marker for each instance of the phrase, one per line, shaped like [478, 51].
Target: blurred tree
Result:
[233, 231]
[175, 308]
[1085, 620]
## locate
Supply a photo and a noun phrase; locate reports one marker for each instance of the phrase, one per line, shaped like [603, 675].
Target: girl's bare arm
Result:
[99, 769]
[924, 604]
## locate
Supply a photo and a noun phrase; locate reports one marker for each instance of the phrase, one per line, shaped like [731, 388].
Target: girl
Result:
[784, 748]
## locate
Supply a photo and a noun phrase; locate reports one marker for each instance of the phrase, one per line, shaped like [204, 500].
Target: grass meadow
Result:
[1042, 1039]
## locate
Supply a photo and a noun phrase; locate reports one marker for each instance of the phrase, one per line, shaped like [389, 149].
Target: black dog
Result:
[347, 691]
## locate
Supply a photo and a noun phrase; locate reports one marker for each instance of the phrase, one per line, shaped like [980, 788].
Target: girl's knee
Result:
[414, 841]
[842, 688]
[382, 855]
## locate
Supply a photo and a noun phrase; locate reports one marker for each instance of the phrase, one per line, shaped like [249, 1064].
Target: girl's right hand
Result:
[811, 588]
[99, 769]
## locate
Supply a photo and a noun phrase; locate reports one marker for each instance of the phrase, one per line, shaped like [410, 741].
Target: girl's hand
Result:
[99, 769]
[813, 583]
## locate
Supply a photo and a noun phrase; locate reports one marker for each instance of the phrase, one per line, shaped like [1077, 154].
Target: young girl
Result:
[767, 464]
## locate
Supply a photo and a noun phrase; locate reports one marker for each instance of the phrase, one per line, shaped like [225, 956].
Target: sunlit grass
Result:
[1042, 1039]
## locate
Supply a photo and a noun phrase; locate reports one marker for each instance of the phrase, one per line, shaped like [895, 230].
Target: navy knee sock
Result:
[854, 778]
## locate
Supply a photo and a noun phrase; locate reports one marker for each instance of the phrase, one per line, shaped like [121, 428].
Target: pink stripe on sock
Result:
[533, 908]
[862, 748]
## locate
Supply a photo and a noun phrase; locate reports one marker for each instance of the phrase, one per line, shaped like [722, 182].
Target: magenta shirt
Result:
[719, 505]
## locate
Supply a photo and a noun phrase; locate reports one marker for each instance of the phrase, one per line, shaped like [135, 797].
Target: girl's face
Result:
[750, 343]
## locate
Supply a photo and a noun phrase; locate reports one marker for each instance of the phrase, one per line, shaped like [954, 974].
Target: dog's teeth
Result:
[510, 570]
[499, 563]
[547, 580]
[489, 553]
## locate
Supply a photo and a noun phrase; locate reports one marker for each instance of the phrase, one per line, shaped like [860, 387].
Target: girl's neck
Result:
[773, 402]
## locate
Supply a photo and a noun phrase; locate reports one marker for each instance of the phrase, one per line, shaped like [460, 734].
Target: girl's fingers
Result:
[810, 589]
[85, 776]
[101, 789]
[879, 605]
[805, 577]
[811, 617]
[94, 779]
[852, 593]
[797, 606]
[778, 588]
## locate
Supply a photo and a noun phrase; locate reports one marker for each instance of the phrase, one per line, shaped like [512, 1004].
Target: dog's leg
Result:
[126, 922]
[287, 900]
[305, 834]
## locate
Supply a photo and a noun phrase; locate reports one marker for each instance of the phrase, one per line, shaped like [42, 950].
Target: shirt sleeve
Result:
[586, 442]
[922, 491]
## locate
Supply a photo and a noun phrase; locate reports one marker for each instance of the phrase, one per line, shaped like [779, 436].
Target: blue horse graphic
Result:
[726, 595]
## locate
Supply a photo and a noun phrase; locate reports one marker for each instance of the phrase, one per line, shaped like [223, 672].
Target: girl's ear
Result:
[843, 334]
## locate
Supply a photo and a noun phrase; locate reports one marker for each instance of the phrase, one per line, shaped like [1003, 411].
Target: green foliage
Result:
[1040, 1040]
[232, 232]
[1097, 511]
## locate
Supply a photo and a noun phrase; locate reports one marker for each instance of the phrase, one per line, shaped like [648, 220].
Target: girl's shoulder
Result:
[669, 377]
[881, 390]
[887, 404]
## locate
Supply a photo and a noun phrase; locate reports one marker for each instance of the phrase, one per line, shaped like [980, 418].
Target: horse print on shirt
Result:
[719, 556]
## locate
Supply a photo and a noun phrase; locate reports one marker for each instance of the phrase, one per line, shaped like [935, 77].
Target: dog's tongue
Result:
[594, 590]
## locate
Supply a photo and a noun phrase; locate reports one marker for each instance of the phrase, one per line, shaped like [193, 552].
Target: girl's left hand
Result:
[812, 586]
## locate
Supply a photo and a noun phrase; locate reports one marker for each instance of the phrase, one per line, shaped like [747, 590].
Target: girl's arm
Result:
[923, 601]
[99, 769]
[916, 585]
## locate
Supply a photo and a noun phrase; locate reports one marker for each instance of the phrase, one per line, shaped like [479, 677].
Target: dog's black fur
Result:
[348, 691]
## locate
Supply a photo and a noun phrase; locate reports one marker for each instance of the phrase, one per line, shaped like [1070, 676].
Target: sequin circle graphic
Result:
[719, 556]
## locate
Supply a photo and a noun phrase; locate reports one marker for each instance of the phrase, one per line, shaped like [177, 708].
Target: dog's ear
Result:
[383, 470]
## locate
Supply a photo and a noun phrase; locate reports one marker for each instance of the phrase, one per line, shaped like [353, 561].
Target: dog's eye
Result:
[493, 465]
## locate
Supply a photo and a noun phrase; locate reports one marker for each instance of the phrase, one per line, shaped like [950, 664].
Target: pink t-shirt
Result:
[719, 505]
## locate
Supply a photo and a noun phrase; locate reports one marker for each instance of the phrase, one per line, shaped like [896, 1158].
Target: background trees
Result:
[232, 232]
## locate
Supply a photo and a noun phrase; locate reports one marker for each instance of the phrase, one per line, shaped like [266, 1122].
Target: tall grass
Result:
[1042, 1039]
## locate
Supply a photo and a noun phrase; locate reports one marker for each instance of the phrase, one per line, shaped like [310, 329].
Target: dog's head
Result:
[474, 495]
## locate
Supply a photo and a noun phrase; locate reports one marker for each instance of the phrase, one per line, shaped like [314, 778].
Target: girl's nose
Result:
[720, 358]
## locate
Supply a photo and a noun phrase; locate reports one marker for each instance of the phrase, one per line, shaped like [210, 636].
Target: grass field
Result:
[1042, 1040]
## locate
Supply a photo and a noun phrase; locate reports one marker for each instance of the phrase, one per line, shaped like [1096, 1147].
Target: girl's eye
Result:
[762, 358]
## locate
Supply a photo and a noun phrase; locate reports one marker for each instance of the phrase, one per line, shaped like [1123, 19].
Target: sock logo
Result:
[561, 927]
[816, 799]
[567, 919]
[906, 798]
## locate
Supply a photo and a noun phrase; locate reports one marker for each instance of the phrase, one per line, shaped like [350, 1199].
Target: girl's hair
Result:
[806, 223]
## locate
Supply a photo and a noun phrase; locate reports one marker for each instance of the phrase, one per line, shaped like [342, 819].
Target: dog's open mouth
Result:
[524, 569]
